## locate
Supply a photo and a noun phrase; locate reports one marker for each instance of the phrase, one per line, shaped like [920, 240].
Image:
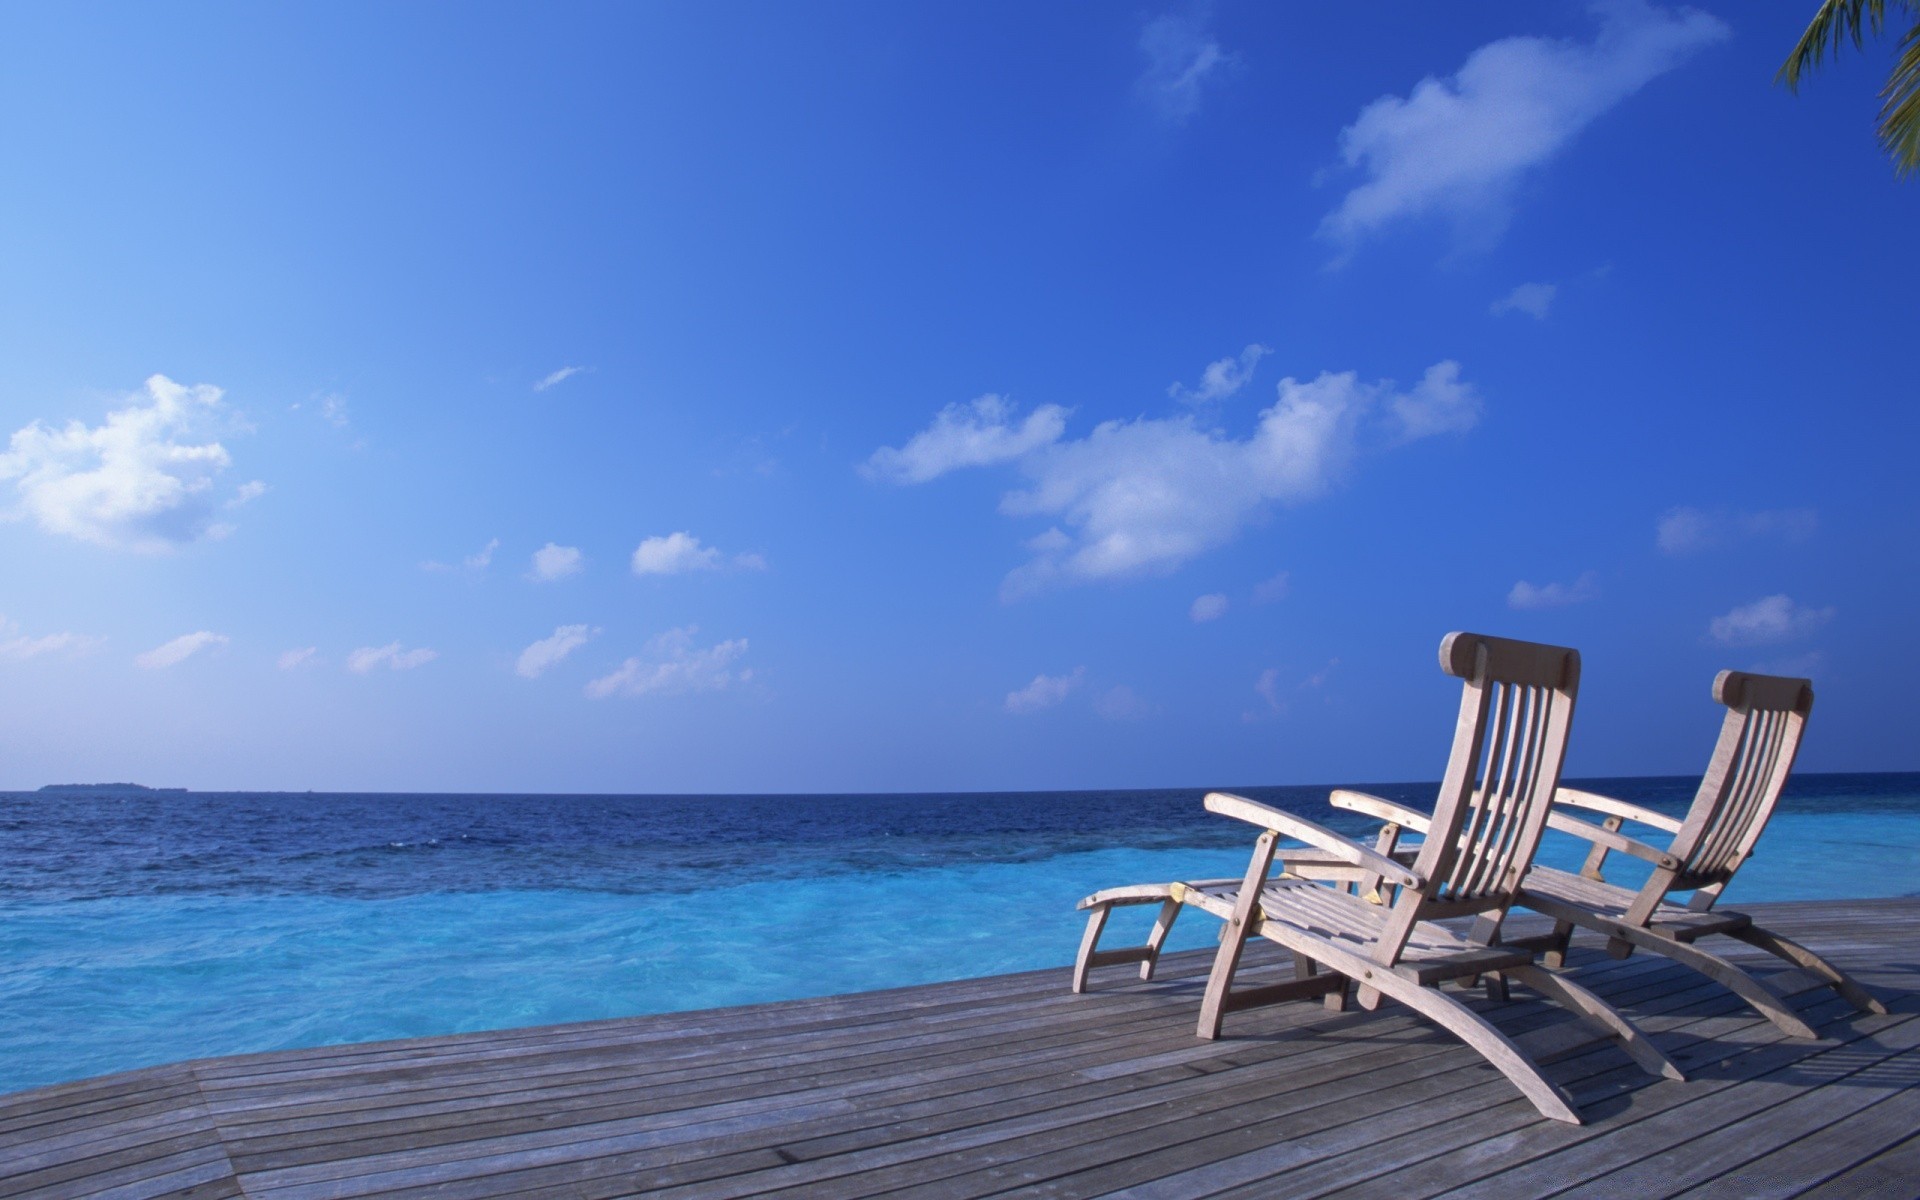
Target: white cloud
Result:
[560, 376]
[1768, 619]
[1689, 530]
[247, 493]
[1271, 590]
[548, 651]
[678, 553]
[1044, 692]
[673, 664]
[967, 435]
[674, 554]
[1525, 595]
[16, 646]
[1222, 378]
[1210, 607]
[1534, 299]
[1145, 496]
[178, 650]
[1459, 147]
[333, 410]
[391, 655]
[305, 656]
[1121, 703]
[1181, 57]
[1440, 403]
[134, 482]
[552, 562]
[1319, 678]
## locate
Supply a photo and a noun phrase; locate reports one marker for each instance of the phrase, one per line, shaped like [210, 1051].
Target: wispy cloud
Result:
[673, 664]
[560, 376]
[138, 481]
[1690, 530]
[1182, 59]
[551, 562]
[1534, 299]
[681, 552]
[1269, 591]
[1121, 703]
[1145, 496]
[1044, 692]
[1221, 378]
[1767, 620]
[548, 651]
[479, 560]
[1524, 595]
[179, 650]
[305, 656]
[1459, 147]
[1267, 686]
[16, 646]
[978, 434]
[1210, 607]
[393, 656]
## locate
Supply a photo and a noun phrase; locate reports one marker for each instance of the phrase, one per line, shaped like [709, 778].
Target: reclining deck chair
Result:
[1515, 709]
[1759, 738]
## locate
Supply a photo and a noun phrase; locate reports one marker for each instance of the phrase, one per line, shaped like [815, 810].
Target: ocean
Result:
[147, 927]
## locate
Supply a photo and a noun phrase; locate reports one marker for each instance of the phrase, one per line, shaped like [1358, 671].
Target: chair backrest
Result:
[1766, 716]
[1516, 708]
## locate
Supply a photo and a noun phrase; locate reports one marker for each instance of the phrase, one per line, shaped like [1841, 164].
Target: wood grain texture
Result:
[1013, 1085]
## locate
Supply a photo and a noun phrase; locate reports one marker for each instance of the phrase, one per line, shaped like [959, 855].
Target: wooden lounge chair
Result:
[1515, 709]
[1766, 716]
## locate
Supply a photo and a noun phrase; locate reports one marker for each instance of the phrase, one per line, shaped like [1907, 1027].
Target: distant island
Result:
[106, 787]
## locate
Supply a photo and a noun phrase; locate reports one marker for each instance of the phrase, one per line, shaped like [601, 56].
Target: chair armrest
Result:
[1615, 808]
[1611, 840]
[1286, 824]
[1377, 806]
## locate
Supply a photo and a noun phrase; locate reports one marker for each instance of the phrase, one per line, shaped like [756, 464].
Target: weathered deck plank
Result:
[1010, 1085]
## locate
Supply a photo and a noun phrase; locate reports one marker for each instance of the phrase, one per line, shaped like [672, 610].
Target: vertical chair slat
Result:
[1512, 793]
[1481, 812]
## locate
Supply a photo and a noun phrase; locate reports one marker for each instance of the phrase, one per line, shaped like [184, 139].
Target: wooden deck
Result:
[1011, 1084]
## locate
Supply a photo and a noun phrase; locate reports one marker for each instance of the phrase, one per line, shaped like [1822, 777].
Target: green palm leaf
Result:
[1840, 21]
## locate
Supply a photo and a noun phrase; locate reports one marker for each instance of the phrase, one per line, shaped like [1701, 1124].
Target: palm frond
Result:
[1900, 112]
[1836, 22]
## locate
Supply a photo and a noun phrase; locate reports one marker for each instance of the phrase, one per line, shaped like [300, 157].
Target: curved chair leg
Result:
[1096, 921]
[1162, 926]
[1226, 961]
[1599, 1013]
[1799, 955]
[1473, 1029]
[1762, 997]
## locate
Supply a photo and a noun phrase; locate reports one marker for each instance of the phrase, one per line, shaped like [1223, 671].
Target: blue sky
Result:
[771, 397]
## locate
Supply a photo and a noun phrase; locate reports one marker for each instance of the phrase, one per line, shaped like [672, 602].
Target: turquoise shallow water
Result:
[100, 974]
